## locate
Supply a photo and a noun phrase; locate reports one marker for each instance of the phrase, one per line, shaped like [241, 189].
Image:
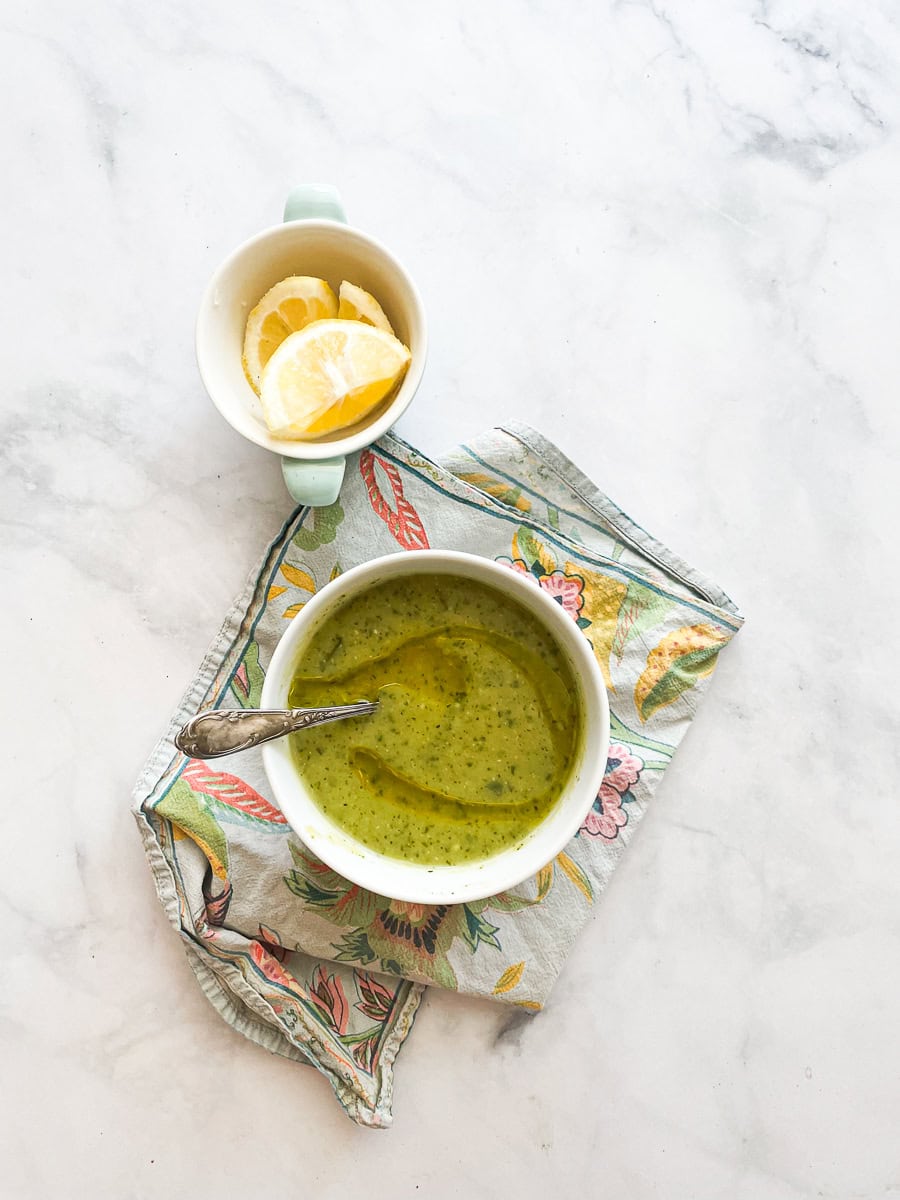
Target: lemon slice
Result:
[357, 305]
[284, 309]
[329, 375]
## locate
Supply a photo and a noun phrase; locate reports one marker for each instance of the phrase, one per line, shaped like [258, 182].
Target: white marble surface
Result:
[666, 234]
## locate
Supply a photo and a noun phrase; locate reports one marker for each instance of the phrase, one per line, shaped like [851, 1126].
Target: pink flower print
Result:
[375, 999]
[327, 993]
[365, 1053]
[565, 590]
[622, 769]
[519, 566]
[240, 676]
[273, 970]
[607, 816]
[271, 942]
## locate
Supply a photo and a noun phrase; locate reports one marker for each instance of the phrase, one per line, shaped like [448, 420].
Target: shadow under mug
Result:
[314, 240]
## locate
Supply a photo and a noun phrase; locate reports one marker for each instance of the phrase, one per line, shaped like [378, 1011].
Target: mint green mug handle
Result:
[314, 202]
[312, 482]
[315, 483]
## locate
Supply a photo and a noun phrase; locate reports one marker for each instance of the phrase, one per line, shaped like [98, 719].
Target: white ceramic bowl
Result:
[416, 882]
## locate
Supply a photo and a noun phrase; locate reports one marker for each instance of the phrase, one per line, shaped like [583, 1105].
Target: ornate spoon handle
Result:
[227, 730]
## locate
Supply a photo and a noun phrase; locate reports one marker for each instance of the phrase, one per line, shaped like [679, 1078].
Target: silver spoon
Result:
[227, 730]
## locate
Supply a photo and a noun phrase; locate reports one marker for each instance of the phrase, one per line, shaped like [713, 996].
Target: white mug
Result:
[314, 240]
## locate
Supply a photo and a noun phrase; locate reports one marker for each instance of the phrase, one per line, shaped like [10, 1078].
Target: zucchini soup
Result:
[478, 727]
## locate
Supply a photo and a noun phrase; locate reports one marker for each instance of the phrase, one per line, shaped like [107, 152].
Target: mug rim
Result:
[423, 883]
[256, 432]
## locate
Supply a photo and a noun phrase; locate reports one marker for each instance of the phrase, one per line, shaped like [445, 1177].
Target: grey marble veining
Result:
[664, 233]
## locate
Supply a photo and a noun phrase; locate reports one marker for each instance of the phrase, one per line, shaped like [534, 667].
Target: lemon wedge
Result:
[286, 308]
[328, 376]
[357, 305]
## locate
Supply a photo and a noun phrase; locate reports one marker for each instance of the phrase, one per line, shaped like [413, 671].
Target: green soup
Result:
[478, 724]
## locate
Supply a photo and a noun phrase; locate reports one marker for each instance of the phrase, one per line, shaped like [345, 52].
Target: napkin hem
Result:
[609, 512]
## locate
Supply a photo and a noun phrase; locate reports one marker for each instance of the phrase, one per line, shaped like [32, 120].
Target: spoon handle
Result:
[227, 730]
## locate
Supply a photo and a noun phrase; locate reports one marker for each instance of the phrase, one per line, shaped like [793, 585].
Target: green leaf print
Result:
[477, 931]
[190, 812]
[309, 891]
[321, 529]
[248, 679]
[642, 610]
[533, 552]
[687, 671]
[354, 947]
[682, 658]
[341, 902]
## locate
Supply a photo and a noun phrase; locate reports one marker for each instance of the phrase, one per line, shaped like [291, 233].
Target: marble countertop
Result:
[665, 234]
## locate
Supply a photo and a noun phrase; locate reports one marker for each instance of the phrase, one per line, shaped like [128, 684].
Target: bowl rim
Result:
[253, 430]
[439, 884]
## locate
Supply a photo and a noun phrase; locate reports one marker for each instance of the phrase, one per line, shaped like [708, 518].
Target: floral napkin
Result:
[293, 955]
